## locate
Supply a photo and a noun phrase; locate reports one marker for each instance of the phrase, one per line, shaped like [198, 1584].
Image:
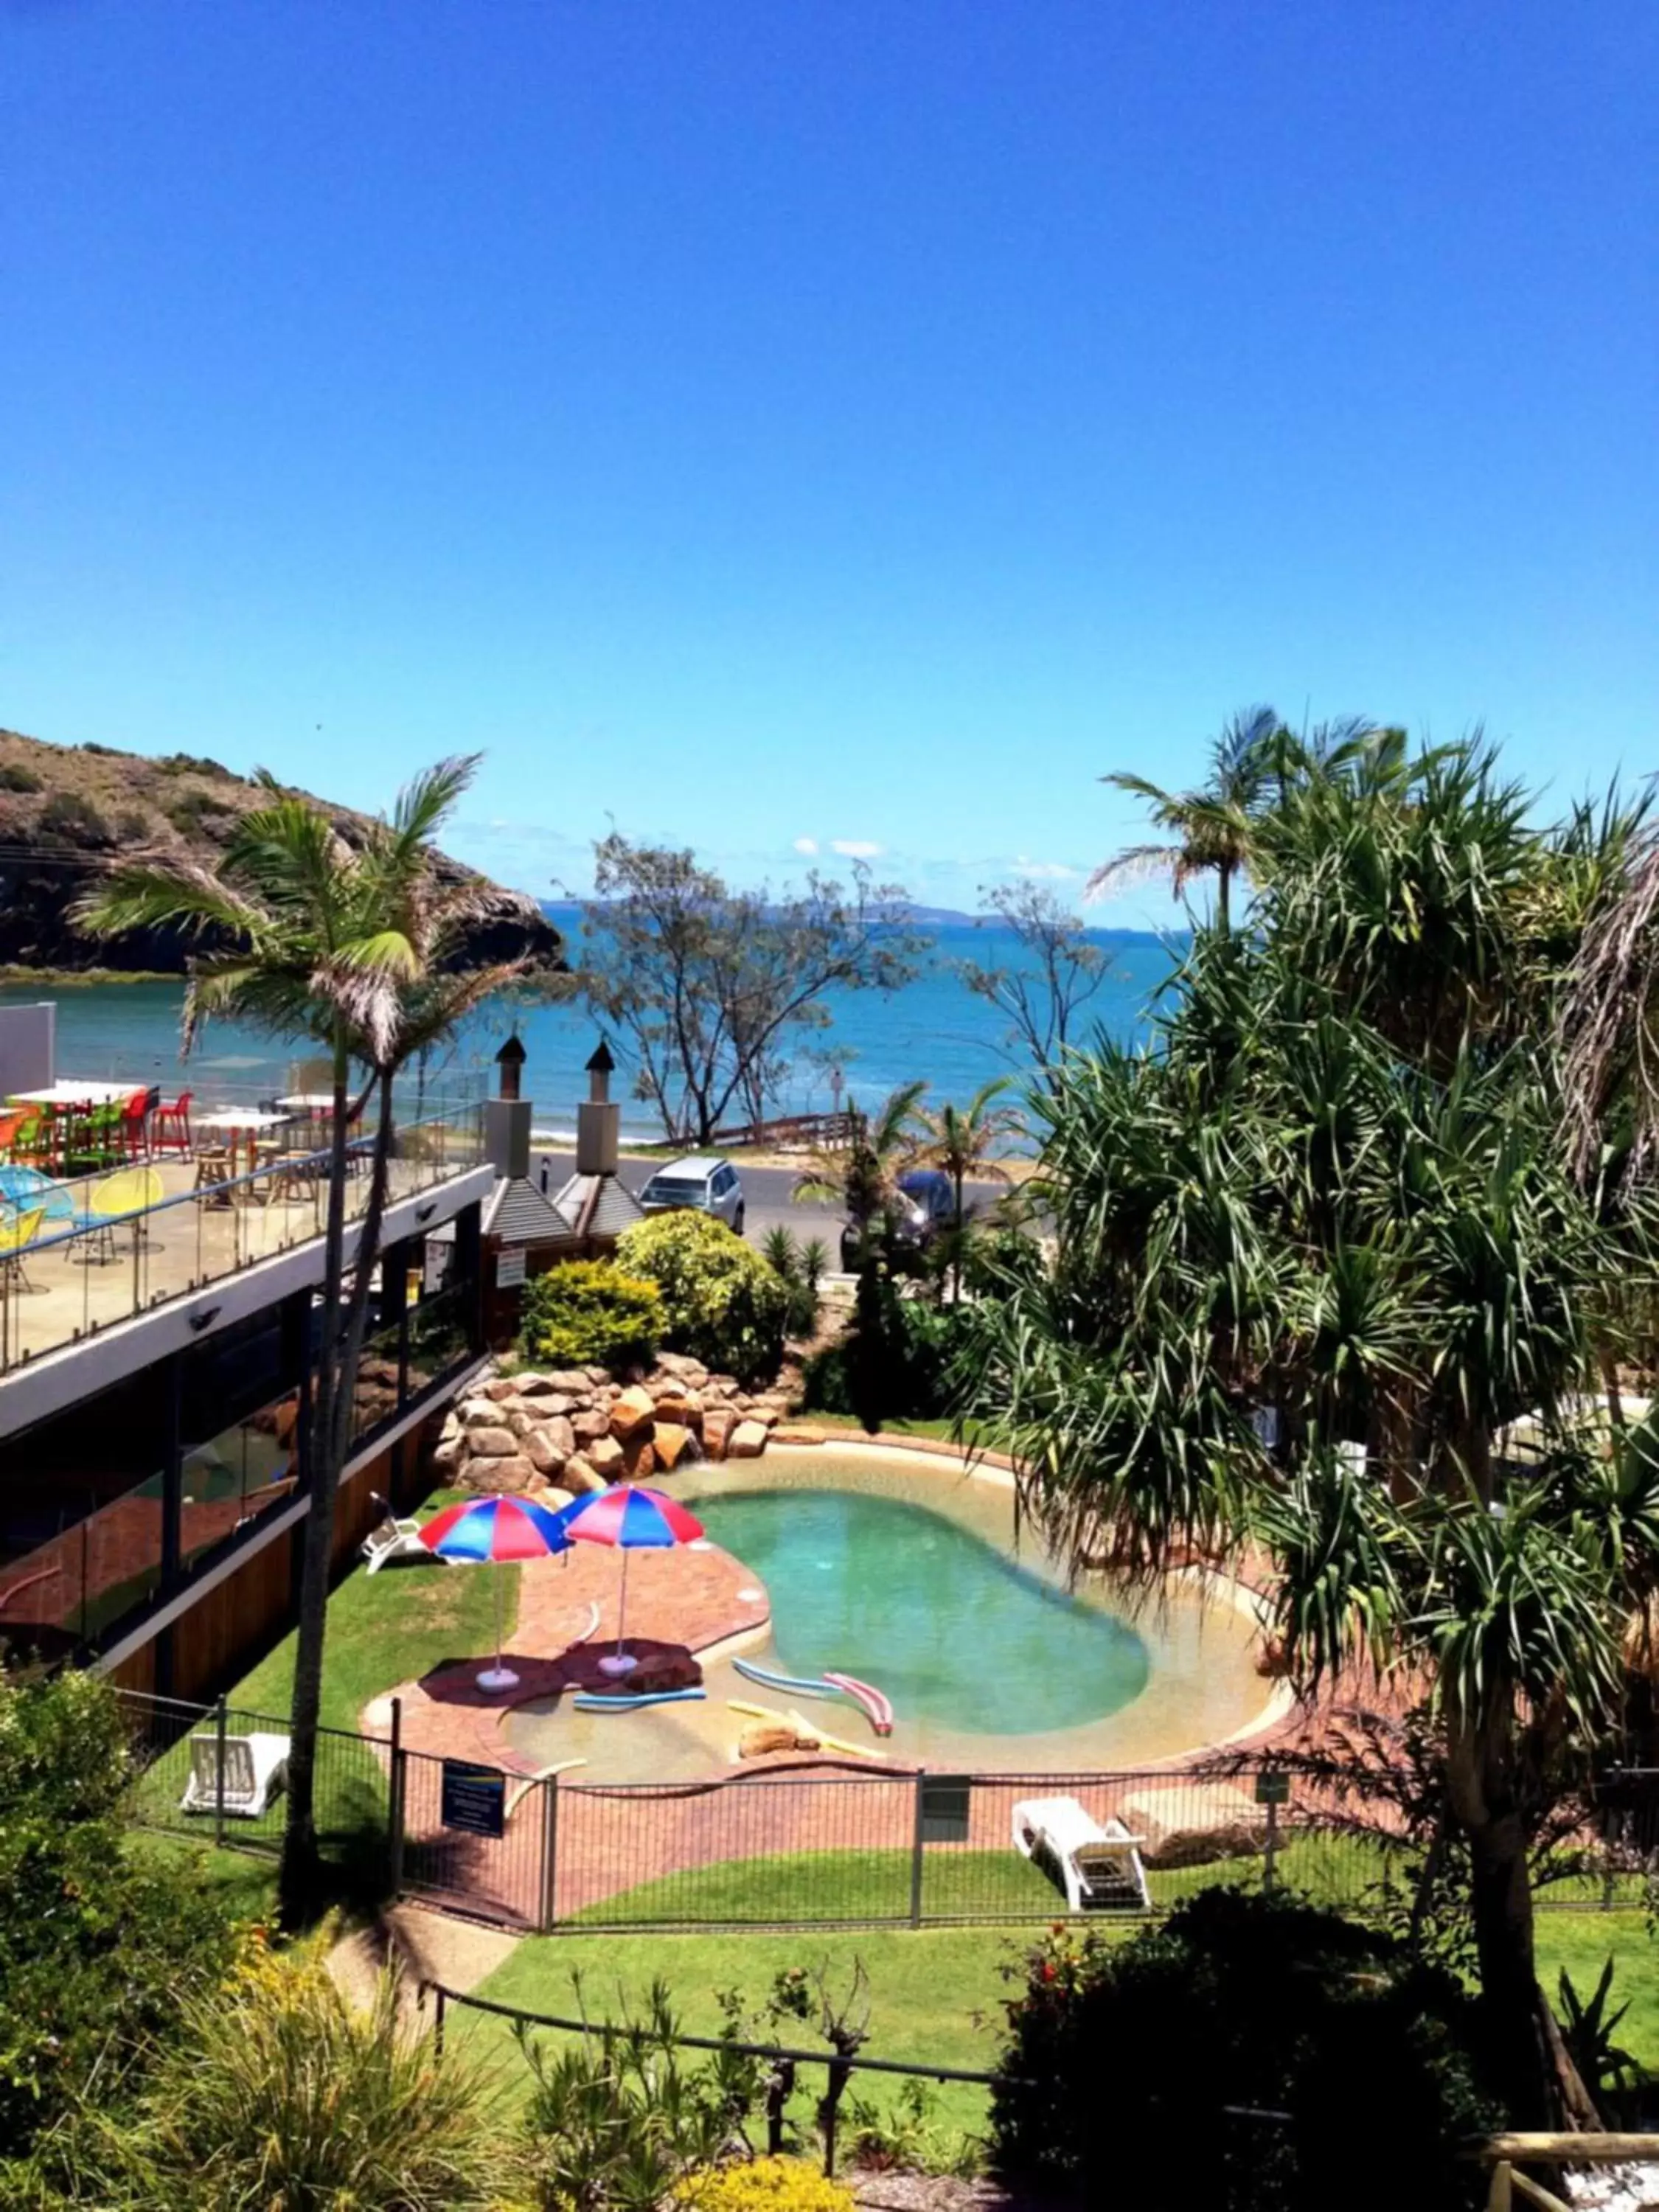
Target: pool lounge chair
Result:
[1097, 1867]
[256, 1767]
[393, 1538]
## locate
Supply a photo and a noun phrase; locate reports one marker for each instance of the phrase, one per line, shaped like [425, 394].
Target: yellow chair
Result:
[128, 1191]
[16, 1235]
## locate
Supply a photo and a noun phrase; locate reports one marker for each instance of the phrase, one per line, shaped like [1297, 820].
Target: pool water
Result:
[952, 1629]
[911, 1575]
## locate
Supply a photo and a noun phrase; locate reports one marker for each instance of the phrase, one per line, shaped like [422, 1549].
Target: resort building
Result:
[161, 1262]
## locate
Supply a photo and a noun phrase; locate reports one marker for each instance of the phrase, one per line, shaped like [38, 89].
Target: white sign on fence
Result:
[509, 1266]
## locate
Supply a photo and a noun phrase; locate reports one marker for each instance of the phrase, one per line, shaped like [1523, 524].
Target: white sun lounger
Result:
[1097, 1867]
[392, 1538]
[256, 1767]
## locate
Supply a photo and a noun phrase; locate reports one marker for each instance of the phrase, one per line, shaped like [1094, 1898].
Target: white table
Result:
[65, 1092]
[309, 1102]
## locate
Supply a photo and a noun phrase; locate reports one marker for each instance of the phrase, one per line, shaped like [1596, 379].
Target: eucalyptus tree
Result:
[1043, 990]
[1338, 1188]
[361, 948]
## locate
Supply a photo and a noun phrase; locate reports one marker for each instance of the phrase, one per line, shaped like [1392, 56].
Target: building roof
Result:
[598, 1206]
[519, 1213]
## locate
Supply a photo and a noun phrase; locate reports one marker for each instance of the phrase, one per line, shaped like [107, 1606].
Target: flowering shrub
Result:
[1240, 2002]
[722, 1303]
[765, 2185]
[588, 1313]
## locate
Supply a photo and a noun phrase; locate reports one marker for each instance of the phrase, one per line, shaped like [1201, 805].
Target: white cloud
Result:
[855, 849]
[1044, 872]
[806, 844]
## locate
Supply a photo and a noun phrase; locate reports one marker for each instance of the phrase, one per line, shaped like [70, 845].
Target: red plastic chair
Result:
[135, 1126]
[171, 1130]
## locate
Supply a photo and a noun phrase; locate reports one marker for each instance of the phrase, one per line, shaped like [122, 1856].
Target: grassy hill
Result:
[68, 812]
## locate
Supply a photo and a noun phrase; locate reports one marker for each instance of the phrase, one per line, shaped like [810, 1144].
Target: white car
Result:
[699, 1180]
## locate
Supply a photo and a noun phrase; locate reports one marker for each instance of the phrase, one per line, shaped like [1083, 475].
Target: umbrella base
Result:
[497, 1678]
[618, 1662]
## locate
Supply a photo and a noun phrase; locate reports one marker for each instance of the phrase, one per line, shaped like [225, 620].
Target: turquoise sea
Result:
[934, 1028]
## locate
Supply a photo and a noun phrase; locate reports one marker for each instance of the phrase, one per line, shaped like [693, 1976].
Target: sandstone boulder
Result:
[572, 1381]
[491, 1444]
[1193, 1823]
[605, 1456]
[477, 1412]
[596, 1376]
[499, 1387]
[718, 1424]
[588, 1425]
[579, 1477]
[762, 1736]
[520, 1422]
[452, 1427]
[746, 1441]
[447, 1456]
[544, 1454]
[640, 1458]
[536, 1386]
[683, 1365]
[671, 1442]
[673, 1401]
[559, 1433]
[510, 1474]
[797, 1432]
[547, 1493]
[634, 1408]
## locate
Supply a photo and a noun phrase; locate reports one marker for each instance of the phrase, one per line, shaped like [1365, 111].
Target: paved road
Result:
[766, 1191]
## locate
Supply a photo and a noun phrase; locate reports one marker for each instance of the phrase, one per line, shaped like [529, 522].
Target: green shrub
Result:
[69, 815]
[722, 1303]
[14, 776]
[590, 1313]
[765, 2185]
[199, 813]
[899, 1360]
[280, 2092]
[98, 1944]
[1246, 2001]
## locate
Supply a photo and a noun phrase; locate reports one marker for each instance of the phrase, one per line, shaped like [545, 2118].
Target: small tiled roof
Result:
[598, 1206]
[519, 1213]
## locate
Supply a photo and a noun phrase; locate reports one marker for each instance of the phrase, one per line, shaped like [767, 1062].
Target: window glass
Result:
[237, 1476]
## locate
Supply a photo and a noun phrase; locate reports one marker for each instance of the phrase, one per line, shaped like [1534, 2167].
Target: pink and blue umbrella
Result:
[480, 1529]
[631, 1519]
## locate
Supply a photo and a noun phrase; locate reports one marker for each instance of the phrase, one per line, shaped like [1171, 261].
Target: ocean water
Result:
[934, 1028]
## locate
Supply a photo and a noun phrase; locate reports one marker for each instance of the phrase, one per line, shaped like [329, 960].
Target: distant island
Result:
[567, 912]
[67, 812]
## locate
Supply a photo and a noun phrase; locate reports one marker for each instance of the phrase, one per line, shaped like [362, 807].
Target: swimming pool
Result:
[904, 1570]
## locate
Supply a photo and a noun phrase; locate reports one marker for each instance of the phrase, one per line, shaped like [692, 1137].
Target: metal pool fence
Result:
[787, 1847]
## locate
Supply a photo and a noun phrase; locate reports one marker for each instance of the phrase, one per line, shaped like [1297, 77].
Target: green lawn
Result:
[934, 1993]
[389, 1627]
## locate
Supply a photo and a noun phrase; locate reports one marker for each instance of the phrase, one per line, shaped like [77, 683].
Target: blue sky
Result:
[843, 421]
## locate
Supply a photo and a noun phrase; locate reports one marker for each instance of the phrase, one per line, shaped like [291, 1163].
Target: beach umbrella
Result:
[499, 1528]
[629, 1519]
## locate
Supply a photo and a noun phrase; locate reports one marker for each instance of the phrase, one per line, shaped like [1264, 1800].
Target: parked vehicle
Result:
[700, 1181]
[926, 1206]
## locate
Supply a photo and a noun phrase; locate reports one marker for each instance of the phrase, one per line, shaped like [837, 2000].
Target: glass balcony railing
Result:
[79, 1253]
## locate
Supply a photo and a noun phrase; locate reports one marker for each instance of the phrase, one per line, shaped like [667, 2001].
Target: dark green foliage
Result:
[199, 813]
[14, 776]
[897, 1361]
[590, 1313]
[98, 1945]
[800, 1267]
[1587, 2027]
[194, 764]
[1253, 2001]
[69, 816]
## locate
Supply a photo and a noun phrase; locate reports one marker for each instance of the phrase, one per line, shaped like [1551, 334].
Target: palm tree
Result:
[1371, 1223]
[863, 1178]
[959, 1140]
[1210, 830]
[361, 949]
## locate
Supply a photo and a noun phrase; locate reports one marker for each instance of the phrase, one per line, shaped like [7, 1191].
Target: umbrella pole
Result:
[622, 1613]
[500, 1613]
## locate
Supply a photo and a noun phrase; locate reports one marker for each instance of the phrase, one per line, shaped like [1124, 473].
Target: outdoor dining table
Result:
[66, 1092]
[242, 1127]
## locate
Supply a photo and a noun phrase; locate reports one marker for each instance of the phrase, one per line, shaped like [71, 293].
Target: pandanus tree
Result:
[360, 948]
[1341, 1188]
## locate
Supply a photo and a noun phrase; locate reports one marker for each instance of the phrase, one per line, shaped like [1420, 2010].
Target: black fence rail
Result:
[782, 2059]
[804, 1848]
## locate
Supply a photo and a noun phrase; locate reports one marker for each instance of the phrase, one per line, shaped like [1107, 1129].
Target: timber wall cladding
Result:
[233, 1624]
